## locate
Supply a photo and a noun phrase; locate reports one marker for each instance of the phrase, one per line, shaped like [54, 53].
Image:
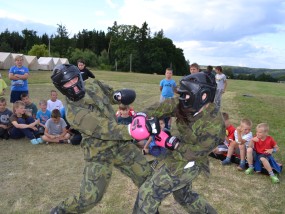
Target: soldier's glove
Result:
[139, 129]
[154, 126]
[164, 139]
[142, 127]
[125, 96]
[172, 143]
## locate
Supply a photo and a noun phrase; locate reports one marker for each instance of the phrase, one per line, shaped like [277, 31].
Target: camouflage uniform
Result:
[204, 132]
[105, 144]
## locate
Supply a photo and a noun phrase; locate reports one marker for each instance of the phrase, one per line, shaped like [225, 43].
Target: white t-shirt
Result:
[247, 137]
[54, 105]
[220, 80]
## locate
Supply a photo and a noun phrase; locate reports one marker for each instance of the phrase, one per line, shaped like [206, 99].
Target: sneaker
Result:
[226, 162]
[249, 171]
[274, 179]
[40, 140]
[34, 142]
[241, 167]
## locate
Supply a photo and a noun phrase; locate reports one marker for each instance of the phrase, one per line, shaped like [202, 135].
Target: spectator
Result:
[194, 68]
[5, 114]
[150, 146]
[263, 146]
[53, 102]
[124, 116]
[55, 129]
[23, 125]
[221, 81]
[31, 108]
[243, 135]
[3, 86]
[167, 87]
[230, 129]
[85, 73]
[209, 72]
[43, 115]
[18, 75]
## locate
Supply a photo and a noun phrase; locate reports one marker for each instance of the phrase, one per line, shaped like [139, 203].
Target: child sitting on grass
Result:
[55, 131]
[263, 146]
[23, 125]
[230, 129]
[243, 136]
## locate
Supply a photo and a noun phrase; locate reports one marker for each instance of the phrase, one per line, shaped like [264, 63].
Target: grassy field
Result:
[35, 178]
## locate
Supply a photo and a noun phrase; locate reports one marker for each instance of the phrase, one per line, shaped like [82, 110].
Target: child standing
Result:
[23, 125]
[124, 116]
[55, 131]
[31, 108]
[221, 81]
[167, 87]
[18, 75]
[5, 114]
[264, 146]
[43, 115]
[230, 129]
[53, 102]
[243, 135]
[3, 86]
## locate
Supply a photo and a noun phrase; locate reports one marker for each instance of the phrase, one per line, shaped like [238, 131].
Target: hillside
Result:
[276, 73]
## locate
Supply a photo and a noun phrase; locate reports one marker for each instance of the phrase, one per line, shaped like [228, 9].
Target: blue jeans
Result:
[27, 132]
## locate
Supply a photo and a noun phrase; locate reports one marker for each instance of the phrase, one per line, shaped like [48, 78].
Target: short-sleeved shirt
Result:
[3, 85]
[55, 128]
[31, 109]
[19, 85]
[247, 137]
[167, 88]
[4, 117]
[220, 80]
[43, 116]
[230, 130]
[262, 145]
[54, 105]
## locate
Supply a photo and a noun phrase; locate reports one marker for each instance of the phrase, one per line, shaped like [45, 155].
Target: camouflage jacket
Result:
[94, 115]
[198, 138]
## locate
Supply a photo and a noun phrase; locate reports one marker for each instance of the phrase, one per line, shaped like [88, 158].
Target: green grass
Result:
[35, 178]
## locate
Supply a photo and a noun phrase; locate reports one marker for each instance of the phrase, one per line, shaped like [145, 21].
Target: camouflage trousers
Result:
[97, 174]
[163, 183]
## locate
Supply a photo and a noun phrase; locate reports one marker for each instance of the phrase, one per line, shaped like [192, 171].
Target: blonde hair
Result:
[248, 122]
[18, 104]
[263, 126]
[43, 102]
[19, 57]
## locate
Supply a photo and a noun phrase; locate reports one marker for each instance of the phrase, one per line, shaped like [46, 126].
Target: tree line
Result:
[122, 48]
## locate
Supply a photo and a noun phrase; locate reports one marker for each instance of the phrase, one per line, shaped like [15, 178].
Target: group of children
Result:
[257, 149]
[39, 126]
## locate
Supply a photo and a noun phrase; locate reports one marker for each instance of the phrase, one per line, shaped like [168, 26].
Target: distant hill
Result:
[18, 26]
[276, 73]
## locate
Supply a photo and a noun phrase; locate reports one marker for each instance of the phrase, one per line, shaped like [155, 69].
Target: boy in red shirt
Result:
[264, 145]
[230, 130]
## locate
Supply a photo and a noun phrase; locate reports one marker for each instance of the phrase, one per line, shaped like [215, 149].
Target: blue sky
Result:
[211, 32]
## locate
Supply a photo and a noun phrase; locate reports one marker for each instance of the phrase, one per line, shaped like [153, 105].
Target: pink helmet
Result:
[139, 128]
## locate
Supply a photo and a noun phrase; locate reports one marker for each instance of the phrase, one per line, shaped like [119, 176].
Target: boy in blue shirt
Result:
[18, 75]
[167, 87]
